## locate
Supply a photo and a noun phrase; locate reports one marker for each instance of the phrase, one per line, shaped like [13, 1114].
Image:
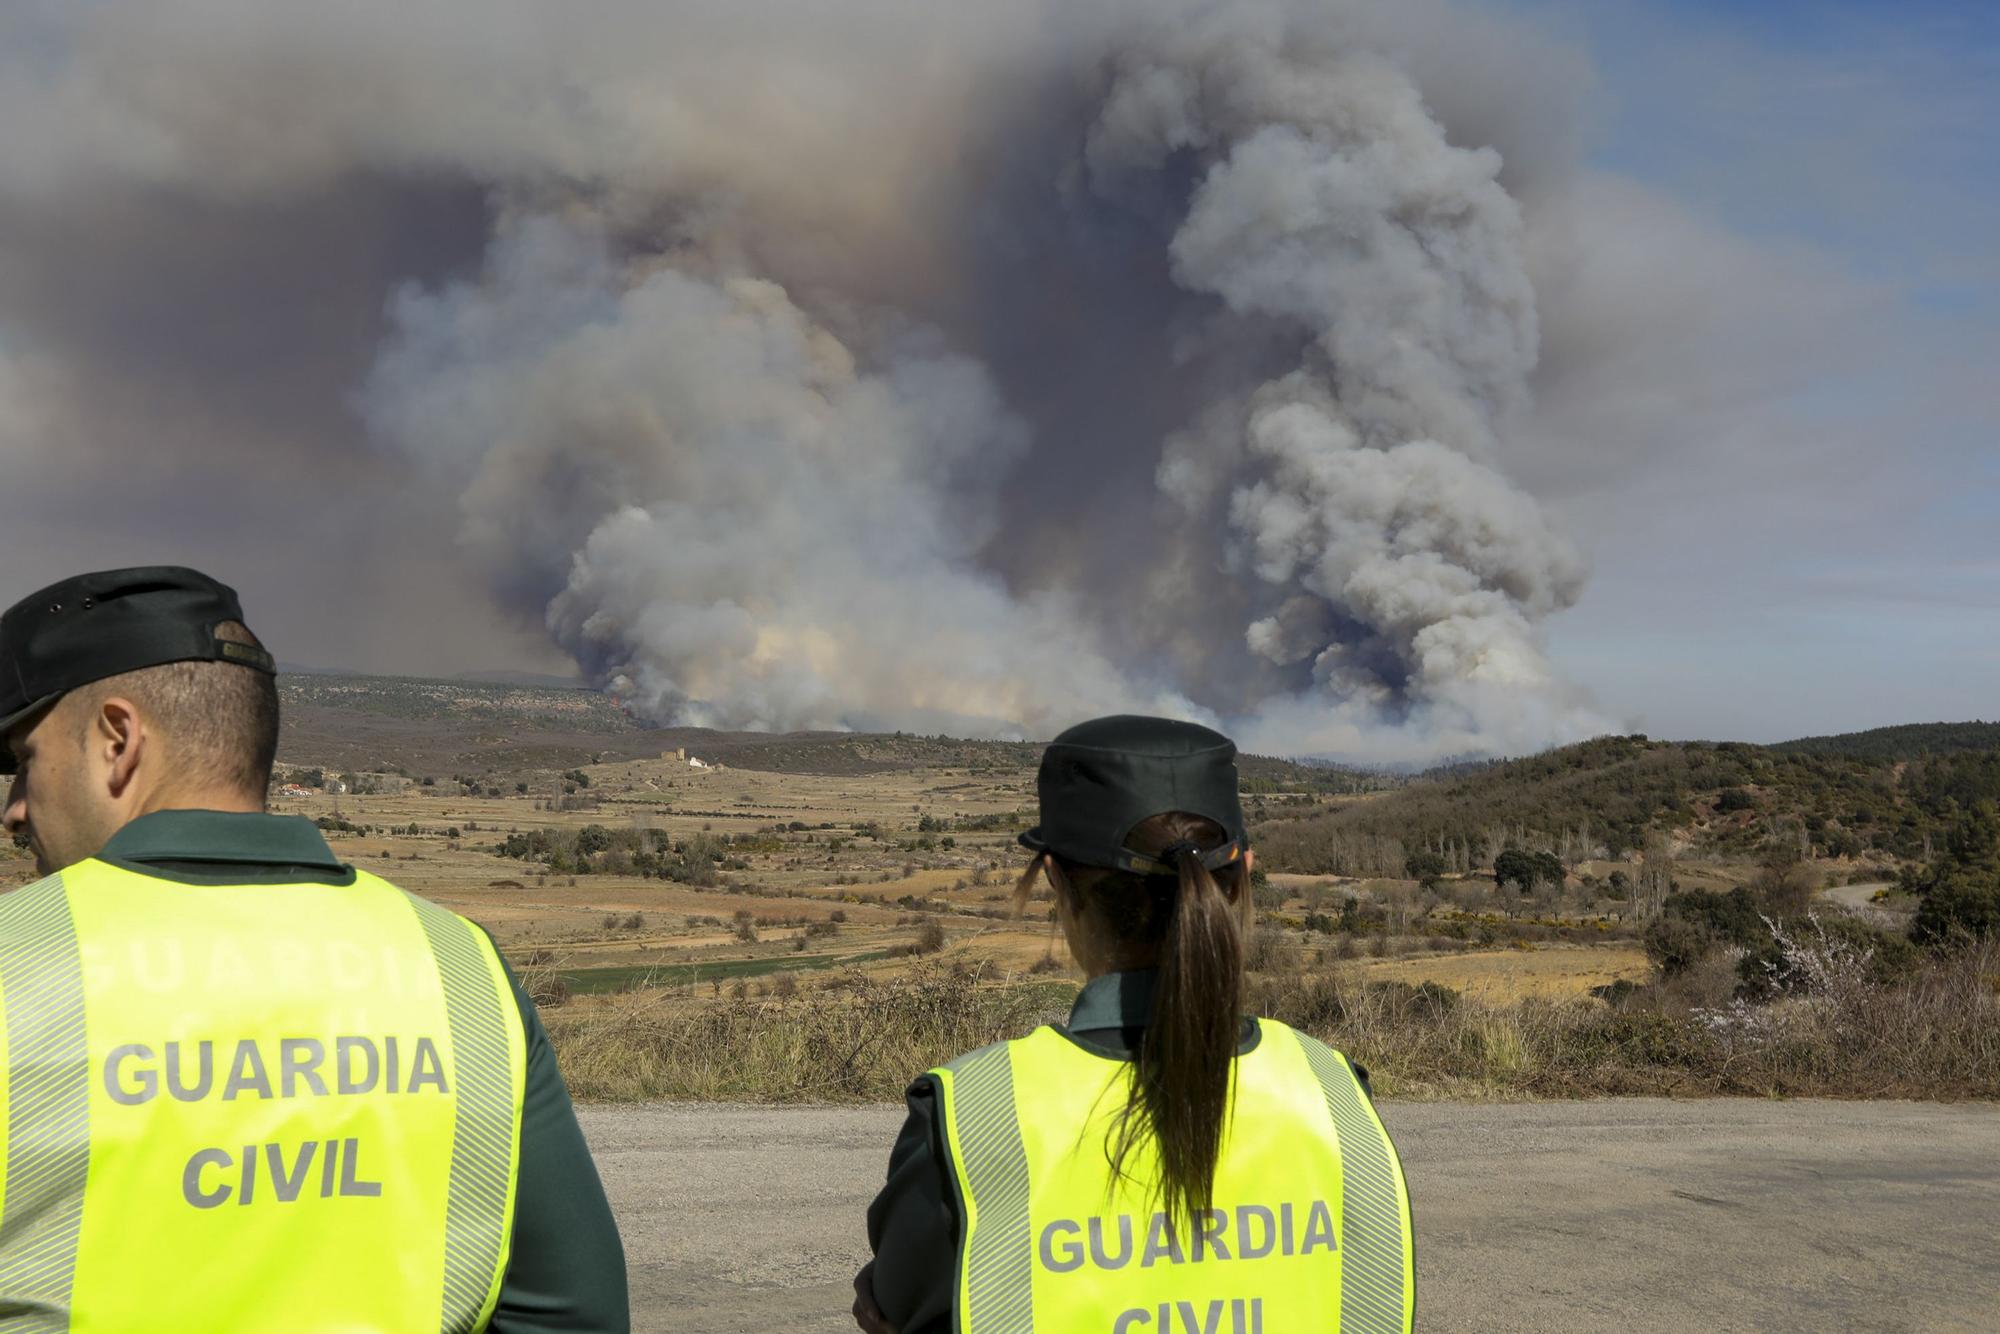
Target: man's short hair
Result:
[220, 719]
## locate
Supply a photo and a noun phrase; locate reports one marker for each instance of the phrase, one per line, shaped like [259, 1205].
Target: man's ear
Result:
[118, 736]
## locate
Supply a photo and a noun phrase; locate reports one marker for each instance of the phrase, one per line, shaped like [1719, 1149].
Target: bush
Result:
[854, 1040]
[1801, 955]
[1733, 917]
[1676, 944]
[1425, 1000]
[1958, 908]
[1267, 950]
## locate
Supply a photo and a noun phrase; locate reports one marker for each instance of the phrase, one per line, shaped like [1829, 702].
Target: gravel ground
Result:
[1637, 1214]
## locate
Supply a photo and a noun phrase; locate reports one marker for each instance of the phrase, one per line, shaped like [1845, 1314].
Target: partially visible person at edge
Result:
[1159, 1164]
[246, 1086]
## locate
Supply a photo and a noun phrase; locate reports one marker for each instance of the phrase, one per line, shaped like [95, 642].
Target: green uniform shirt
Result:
[566, 1271]
[913, 1223]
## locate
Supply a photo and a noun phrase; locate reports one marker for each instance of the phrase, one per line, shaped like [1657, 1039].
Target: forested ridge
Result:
[1908, 742]
[1890, 795]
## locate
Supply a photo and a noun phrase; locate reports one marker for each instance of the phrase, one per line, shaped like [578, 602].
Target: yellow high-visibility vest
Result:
[251, 1107]
[1309, 1229]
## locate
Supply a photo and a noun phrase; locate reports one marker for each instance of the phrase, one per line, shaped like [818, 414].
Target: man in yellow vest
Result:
[242, 1085]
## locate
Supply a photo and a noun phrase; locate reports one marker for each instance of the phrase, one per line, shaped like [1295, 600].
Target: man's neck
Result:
[213, 799]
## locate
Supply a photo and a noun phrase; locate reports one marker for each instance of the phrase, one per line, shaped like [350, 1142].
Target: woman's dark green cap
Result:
[1100, 779]
[93, 626]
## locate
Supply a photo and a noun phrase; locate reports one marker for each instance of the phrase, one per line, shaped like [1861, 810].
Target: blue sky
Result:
[1844, 570]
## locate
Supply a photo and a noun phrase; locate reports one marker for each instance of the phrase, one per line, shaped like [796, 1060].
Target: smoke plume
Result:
[879, 365]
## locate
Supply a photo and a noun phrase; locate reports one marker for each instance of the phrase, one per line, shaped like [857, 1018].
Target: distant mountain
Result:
[301, 669]
[1907, 742]
[538, 680]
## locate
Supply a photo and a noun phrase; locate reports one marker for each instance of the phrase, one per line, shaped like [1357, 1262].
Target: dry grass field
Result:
[1503, 976]
[803, 885]
[817, 900]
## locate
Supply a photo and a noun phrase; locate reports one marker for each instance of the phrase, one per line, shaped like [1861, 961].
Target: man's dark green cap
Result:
[98, 625]
[1100, 779]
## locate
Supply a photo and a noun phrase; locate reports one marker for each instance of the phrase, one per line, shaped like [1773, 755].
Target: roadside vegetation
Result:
[1826, 1017]
[820, 917]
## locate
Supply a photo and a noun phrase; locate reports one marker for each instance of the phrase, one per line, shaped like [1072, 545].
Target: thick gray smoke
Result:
[860, 367]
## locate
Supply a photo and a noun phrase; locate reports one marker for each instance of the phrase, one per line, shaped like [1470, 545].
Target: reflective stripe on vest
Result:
[1310, 1227]
[251, 1107]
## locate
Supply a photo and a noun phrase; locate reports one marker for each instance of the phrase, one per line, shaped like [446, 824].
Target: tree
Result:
[1786, 885]
[1514, 866]
[1426, 868]
[1527, 869]
[1974, 841]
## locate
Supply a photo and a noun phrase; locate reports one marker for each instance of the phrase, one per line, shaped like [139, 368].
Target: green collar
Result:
[230, 837]
[1113, 1001]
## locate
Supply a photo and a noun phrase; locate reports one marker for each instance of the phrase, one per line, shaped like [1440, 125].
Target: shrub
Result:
[1267, 950]
[1958, 908]
[1733, 917]
[854, 1040]
[1808, 955]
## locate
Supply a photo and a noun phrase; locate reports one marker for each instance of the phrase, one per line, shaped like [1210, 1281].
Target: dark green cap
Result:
[98, 625]
[1100, 779]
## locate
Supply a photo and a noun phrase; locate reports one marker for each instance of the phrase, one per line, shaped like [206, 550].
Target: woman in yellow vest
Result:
[1159, 1165]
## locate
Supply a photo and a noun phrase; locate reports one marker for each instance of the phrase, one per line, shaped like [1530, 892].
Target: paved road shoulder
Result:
[1632, 1214]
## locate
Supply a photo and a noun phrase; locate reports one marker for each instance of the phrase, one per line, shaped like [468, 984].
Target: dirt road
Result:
[1856, 898]
[1641, 1214]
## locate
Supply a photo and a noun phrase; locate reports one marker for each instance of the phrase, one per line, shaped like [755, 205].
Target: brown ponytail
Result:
[1181, 1080]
